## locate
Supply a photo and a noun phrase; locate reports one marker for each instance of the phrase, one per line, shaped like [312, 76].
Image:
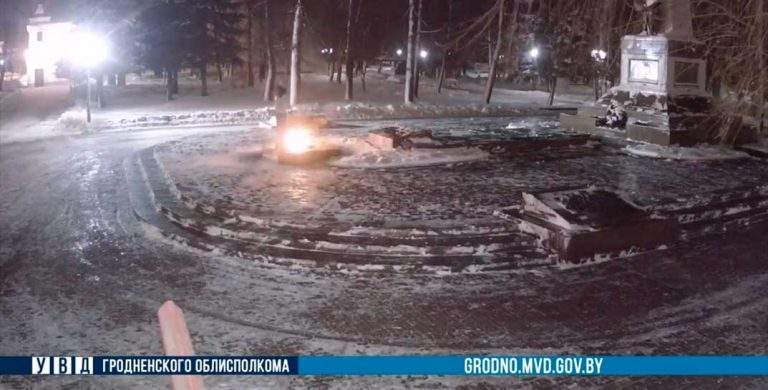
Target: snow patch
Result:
[698, 153]
[398, 158]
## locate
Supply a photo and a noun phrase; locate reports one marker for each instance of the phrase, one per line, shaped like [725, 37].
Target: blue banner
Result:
[389, 365]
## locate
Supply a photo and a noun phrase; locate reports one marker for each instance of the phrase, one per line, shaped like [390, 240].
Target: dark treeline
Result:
[257, 37]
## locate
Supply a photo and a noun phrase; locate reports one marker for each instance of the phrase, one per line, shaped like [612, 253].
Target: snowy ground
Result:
[464, 184]
[142, 104]
[698, 153]
[33, 113]
[81, 274]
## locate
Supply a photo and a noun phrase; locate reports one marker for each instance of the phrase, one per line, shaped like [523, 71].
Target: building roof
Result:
[57, 10]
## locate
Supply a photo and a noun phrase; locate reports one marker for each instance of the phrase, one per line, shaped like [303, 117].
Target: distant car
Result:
[478, 70]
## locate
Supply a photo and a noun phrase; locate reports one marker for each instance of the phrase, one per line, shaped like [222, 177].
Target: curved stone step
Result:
[170, 202]
[158, 205]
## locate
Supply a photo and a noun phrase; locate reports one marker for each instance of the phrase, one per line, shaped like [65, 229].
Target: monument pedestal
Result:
[661, 90]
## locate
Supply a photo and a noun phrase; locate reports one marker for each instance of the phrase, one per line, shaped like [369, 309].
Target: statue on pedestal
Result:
[661, 97]
[646, 7]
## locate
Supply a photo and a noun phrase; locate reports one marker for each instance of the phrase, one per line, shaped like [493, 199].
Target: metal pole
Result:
[88, 98]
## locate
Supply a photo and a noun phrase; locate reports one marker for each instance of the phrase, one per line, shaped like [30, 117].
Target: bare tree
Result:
[447, 50]
[332, 65]
[734, 35]
[249, 37]
[474, 30]
[496, 51]
[762, 82]
[348, 94]
[269, 83]
[411, 55]
[417, 50]
[296, 56]
[100, 90]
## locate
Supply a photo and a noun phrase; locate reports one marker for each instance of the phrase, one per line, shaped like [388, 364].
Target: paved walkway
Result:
[82, 275]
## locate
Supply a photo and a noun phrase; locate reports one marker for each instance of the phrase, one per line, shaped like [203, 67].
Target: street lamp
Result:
[399, 52]
[423, 54]
[89, 51]
[599, 54]
[534, 53]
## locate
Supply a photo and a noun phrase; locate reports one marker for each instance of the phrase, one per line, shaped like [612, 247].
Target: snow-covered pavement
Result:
[82, 275]
[32, 113]
[86, 256]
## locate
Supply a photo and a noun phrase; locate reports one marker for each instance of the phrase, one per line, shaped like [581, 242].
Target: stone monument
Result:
[662, 86]
[584, 225]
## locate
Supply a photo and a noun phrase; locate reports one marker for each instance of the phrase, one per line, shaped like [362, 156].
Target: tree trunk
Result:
[510, 54]
[204, 80]
[447, 50]
[762, 83]
[121, 79]
[417, 52]
[495, 56]
[100, 90]
[168, 85]
[416, 80]
[249, 35]
[552, 88]
[363, 69]
[410, 55]
[338, 70]
[2, 76]
[269, 83]
[349, 92]
[219, 72]
[175, 82]
[490, 48]
[263, 66]
[332, 68]
[296, 56]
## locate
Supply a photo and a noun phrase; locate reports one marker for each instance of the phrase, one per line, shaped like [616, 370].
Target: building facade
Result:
[46, 47]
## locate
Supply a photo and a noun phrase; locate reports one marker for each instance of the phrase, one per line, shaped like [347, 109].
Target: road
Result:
[80, 275]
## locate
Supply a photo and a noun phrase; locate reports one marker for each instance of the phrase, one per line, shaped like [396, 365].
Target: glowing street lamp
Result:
[88, 51]
[423, 54]
[599, 55]
[534, 53]
[399, 52]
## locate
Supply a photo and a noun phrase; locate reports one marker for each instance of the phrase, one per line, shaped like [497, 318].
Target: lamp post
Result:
[89, 51]
[534, 55]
